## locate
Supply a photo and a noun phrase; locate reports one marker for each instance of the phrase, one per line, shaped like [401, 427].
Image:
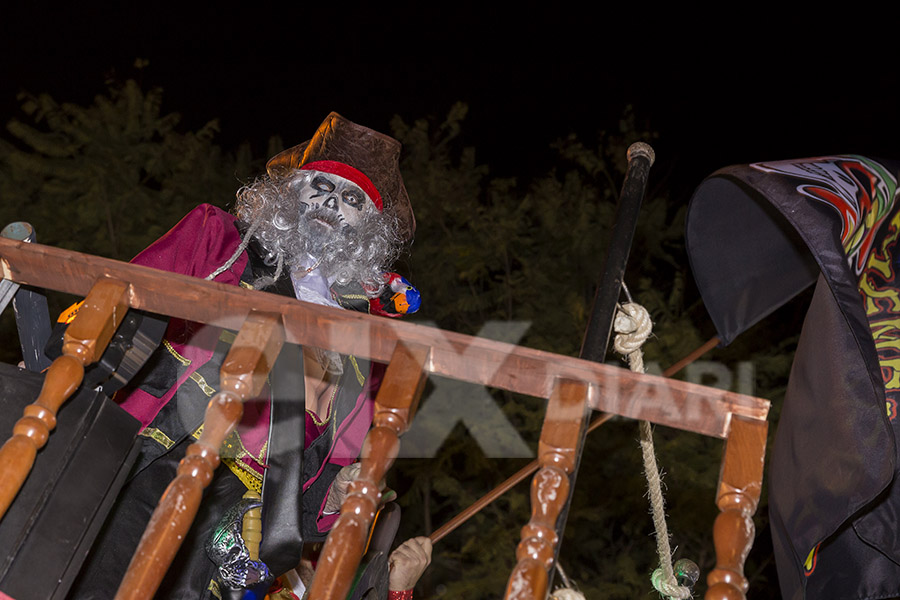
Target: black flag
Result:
[757, 235]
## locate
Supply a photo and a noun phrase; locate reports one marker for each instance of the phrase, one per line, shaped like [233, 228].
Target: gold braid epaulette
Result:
[231, 453]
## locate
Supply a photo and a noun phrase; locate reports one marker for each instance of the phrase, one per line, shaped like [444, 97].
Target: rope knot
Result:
[632, 326]
[680, 582]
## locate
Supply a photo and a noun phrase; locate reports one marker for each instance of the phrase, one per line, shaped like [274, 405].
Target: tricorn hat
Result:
[375, 154]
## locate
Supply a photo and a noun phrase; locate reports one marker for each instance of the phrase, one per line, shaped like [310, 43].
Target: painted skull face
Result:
[333, 200]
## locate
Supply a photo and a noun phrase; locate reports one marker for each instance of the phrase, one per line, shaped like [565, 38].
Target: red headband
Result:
[347, 172]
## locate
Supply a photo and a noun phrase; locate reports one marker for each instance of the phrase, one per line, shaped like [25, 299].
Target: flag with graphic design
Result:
[759, 234]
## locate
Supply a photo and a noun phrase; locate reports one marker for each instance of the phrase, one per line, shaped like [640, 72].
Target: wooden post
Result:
[740, 484]
[557, 452]
[84, 342]
[242, 376]
[395, 406]
[534, 465]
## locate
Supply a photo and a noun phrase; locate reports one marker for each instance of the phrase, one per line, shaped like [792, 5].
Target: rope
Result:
[569, 592]
[241, 247]
[633, 326]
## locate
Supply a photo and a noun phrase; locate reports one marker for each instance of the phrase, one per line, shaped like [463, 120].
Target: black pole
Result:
[596, 337]
[599, 329]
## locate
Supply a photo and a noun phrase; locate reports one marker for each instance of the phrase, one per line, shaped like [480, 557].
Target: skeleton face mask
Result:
[333, 200]
[316, 216]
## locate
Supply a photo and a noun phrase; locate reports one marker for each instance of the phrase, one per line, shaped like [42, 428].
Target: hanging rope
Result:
[569, 591]
[241, 247]
[633, 326]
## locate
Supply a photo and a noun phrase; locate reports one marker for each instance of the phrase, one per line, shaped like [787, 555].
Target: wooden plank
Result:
[676, 404]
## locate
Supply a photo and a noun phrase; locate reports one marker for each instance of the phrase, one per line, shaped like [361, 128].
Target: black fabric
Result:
[833, 503]
[829, 460]
[158, 373]
[191, 570]
[344, 402]
[128, 351]
[182, 415]
[282, 514]
[351, 296]
[53, 520]
[373, 575]
[262, 264]
[746, 258]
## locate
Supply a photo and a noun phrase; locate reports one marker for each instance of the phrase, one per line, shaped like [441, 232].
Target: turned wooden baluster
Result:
[395, 406]
[84, 342]
[242, 376]
[738, 495]
[557, 452]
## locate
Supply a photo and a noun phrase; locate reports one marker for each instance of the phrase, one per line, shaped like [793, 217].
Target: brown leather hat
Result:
[375, 154]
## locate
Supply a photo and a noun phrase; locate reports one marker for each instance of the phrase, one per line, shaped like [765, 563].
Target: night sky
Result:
[720, 91]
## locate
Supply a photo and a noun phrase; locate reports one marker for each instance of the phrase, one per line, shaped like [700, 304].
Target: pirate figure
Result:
[323, 225]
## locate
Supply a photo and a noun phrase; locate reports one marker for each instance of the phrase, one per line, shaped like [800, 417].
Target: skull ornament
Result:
[227, 550]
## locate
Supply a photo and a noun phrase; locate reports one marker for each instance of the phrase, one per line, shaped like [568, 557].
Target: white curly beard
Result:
[344, 254]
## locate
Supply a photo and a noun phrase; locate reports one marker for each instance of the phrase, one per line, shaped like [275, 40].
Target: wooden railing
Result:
[84, 342]
[557, 453]
[243, 375]
[740, 484]
[412, 351]
[395, 407]
[490, 363]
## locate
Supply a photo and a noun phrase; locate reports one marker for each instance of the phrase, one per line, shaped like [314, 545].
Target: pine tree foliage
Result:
[515, 250]
[111, 177]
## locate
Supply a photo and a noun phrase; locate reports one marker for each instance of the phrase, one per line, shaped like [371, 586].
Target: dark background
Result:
[754, 84]
[759, 84]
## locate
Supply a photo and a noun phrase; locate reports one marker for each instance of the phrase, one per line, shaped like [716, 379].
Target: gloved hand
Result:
[408, 562]
[339, 488]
